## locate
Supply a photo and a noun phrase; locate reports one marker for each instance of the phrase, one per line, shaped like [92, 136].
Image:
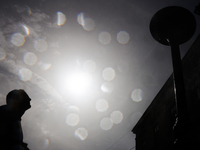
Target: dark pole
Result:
[173, 26]
[179, 86]
[181, 127]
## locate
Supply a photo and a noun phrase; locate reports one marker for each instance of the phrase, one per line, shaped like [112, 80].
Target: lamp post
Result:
[173, 26]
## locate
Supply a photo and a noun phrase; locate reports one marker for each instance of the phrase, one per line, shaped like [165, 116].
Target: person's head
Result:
[18, 100]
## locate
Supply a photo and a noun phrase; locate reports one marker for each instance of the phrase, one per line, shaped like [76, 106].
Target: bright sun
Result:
[78, 83]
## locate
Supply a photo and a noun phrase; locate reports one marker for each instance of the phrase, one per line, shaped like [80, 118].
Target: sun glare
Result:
[78, 83]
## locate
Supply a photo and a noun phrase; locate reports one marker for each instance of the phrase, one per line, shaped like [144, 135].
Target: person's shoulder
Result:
[3, 109]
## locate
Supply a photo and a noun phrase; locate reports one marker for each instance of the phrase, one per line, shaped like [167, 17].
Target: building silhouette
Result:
[155, 129]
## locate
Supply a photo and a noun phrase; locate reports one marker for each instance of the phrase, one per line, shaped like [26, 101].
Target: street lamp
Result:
[173, 26]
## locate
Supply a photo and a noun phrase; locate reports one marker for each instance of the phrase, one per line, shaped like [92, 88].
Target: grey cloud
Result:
[3, 41]
[44, 85]
[36, 17]
[13, 68]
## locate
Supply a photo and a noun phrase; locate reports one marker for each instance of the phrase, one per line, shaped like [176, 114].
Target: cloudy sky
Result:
[91, 68]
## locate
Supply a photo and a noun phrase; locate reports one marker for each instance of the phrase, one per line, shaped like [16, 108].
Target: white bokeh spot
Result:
[123, 37]
[88, 24]
[30, 58]
[17, 39]
[108, 74]
[81, 133]
[101, 105]
[107, 87]
[106, 124]
[25, 74]
[89, 66]
[116, 117]
[72, 119]
[61, 19]
[40, 45]
[104, 38]
[137, 95]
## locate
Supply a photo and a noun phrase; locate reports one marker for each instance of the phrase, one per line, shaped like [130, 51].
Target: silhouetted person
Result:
[11, 136]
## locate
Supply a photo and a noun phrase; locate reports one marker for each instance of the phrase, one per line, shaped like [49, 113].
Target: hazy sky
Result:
[91, 68]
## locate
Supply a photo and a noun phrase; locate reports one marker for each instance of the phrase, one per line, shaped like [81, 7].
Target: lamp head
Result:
[172, 24]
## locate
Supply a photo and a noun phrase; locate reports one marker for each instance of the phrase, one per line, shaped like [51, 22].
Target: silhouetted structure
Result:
[168, 122]
[155, 129]
[11, 135]
[197, 9]
[173, 26]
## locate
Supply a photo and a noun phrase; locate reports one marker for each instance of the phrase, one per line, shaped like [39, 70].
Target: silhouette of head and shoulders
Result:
[17, 102]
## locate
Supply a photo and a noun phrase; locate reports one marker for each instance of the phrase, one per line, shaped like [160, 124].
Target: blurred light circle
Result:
[122, 66]
[81, 133]
[116, 117]
[101, 105]
[30, 58]
[78, 83]
[45, 143]
[106, 124]
[25, 74]
[17, 39]
[107, 87]
[108, 74]
[27, 32]
[61, 19]
[80, 18]
[104, 37]
[123, 37]
[88, 24]
[72, 119]
[29, 10]
[137, 95]
[40, 45]
[89, 66]
[44, 66]
[24, 30]
[2, 54]
[80, 61]
[73, 109]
